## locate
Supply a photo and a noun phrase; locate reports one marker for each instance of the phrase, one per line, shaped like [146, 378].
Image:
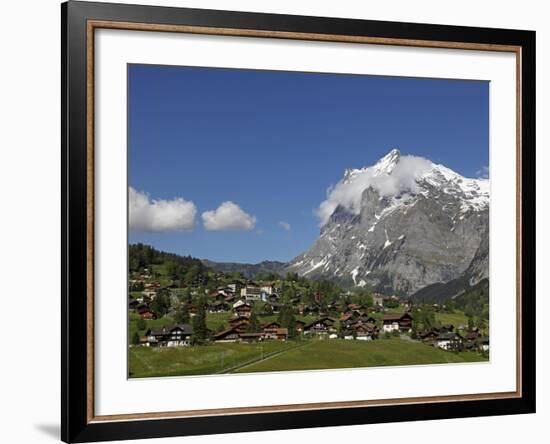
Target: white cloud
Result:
[348, 194]
[285, 225]
[228, 217]
[483, 172]
[146, 214]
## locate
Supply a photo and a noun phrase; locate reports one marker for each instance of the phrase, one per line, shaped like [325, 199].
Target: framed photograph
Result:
[275, 221]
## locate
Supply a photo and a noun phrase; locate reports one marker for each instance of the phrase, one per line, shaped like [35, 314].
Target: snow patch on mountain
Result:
[432, 218]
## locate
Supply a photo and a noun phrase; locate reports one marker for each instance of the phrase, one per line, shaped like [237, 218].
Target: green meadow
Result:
[270, 356]
[339, 353]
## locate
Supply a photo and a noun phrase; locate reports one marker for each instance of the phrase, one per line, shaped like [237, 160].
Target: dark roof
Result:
[223, 333]
[448, 336]
[324, 320]
[395, 316]
[185, 328]
[271, 324]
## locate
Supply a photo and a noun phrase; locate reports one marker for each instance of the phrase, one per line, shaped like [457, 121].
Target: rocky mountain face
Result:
[401, 225]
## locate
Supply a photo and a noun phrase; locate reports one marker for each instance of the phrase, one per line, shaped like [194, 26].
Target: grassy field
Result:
[457, 318]
[322, 354]
[202, 360]
[295, 355]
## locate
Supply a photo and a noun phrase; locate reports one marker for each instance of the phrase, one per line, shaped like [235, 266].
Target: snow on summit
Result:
[396, 174]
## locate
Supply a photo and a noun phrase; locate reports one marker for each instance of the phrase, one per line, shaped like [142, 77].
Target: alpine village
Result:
[189, 318]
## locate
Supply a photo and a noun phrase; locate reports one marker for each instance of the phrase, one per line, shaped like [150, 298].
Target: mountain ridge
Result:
[400, 225]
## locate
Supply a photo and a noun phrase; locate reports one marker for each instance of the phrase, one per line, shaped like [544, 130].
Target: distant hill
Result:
[457, 289]
[250, 271]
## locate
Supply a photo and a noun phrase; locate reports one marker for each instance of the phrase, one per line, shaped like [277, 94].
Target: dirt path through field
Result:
[260, 359]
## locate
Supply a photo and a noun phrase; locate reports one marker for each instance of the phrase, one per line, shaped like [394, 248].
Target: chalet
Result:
[397, 322]
[273, 297]
[146, 314]
[365, 332]
[280, 334]
[483, 343]
[170, 336]
[362, 332]
[251, 337]
[219, 295]
[449, 341]
[273, 324]
[321, 326]
[229, 335]
[300, 326]
[366, 319]
[350, 316]
[242, 308]
[429, 336]
[311, 309]
[472, 334]
[218, 307]
[239, 322]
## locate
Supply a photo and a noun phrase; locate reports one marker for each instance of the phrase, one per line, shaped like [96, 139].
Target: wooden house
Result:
[300, 326]
[397, 322]
[250, 337]
[229, 335]
[449, 341]
[239, 322]
[218, 307]
[242, 308]
[483, 343]
[146, 314]
[321, 326]
[170, 336]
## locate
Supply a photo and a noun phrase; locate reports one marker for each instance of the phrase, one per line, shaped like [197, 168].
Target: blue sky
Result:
[273, 142]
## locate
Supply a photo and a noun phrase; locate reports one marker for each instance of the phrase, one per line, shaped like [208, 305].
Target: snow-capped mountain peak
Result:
[387, 163]
[398, 225]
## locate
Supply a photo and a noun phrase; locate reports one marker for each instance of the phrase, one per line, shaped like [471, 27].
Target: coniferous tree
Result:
[254, 325]
[200, 331]
[135, 338]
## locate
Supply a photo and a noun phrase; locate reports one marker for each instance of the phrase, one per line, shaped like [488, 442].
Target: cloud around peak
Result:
[146, 214]
[228, 217]
[347, 193]
[483, 172]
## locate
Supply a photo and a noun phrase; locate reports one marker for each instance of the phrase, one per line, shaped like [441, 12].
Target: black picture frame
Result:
[76, 424]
